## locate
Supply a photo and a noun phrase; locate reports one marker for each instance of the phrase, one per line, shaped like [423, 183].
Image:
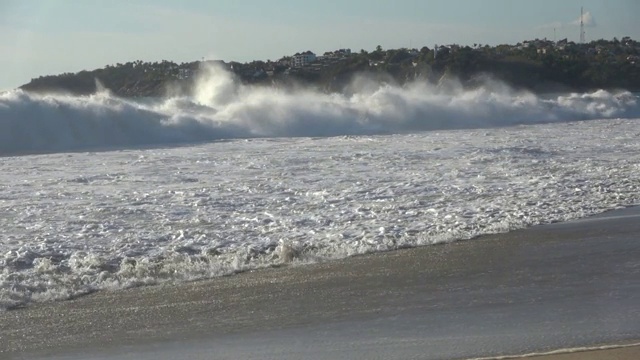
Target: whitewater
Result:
[103, 193]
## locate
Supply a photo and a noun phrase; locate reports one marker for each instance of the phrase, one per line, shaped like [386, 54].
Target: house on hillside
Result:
[184, 74]
[561, 45]
[302, 59]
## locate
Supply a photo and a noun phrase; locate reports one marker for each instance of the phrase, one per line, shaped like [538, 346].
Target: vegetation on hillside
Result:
[538, 65]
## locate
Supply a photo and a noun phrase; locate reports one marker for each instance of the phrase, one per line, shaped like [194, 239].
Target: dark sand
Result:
[549, 287]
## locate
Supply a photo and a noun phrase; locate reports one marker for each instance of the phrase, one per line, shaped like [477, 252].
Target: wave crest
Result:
[223, 109]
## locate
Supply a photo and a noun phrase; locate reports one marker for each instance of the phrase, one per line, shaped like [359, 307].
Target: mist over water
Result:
[223, 109]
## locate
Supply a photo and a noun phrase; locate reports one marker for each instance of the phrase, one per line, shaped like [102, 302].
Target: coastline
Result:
[625, 351]
[549, 287]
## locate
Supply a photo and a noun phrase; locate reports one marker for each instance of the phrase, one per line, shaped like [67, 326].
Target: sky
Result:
[45, 37]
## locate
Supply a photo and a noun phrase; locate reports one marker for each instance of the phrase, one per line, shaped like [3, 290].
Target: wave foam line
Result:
[223, 109]
[560, 352]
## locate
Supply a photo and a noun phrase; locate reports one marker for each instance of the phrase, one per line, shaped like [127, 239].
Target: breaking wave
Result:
[223, 109]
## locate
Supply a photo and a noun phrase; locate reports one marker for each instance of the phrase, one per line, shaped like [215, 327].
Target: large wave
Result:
[223, 109]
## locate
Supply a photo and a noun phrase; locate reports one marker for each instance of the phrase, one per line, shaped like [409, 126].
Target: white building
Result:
[302, 59]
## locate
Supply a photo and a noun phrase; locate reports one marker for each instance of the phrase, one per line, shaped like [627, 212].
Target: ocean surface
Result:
[101, 193]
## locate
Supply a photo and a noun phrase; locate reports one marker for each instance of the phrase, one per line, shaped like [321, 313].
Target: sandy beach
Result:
[619, 353]
[559, 286]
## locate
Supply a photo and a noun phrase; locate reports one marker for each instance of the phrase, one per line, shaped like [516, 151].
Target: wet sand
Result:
[531, 291]
[622, 353]
[608, 352]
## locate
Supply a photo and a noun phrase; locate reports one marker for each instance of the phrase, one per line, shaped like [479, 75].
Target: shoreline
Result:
[556, 286]
[614, 351]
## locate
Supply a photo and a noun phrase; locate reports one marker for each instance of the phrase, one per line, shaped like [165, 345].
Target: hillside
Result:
[538, 65]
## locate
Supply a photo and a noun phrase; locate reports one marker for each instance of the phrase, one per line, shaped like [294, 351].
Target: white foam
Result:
[560, 352]
[223, 109]
[74, 223]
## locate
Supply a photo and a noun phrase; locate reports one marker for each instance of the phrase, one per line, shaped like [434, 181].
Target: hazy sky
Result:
[41, 37]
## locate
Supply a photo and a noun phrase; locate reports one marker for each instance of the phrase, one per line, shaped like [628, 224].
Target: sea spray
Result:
[221, 108]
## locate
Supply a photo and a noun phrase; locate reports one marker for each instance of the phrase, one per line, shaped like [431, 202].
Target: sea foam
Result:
[74, 223]
[223, 109]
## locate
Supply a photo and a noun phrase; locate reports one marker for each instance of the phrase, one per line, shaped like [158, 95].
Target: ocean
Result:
[99, 193]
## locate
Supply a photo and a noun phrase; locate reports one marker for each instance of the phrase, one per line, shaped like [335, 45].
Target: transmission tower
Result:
[582, 37]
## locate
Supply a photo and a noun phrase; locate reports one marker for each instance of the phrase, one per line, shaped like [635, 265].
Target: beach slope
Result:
[541, 289]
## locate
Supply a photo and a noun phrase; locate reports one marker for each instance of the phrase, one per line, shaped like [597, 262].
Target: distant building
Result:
[184, 74]
[342, 52]
[303, 59]
[285, 61]
[562, 44]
